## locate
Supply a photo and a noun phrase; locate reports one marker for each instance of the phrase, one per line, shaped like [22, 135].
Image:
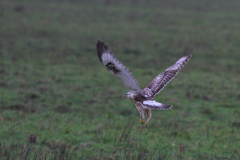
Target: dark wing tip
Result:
[166, 107]
[188, 52]
[101, 48]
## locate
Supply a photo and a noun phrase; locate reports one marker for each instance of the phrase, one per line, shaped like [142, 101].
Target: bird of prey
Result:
[143, 98]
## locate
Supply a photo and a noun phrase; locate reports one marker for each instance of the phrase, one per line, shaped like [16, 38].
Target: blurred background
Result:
[57, 100]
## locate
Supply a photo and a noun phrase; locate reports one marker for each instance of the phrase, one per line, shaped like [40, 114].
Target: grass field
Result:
[52, 84]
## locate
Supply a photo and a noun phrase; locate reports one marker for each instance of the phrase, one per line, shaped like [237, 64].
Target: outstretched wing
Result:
[116, 67]
[164, 78]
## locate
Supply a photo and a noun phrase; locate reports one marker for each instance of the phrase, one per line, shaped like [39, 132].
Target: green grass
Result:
[52, 84]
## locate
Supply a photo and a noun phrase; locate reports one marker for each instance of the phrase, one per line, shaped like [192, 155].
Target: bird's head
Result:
[129, 95]
[126, 95]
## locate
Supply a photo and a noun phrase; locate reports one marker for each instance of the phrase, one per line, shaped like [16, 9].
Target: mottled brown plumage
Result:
[143, 98]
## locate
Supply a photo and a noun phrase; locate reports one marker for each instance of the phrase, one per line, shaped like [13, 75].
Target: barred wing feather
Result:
[116, 67]
[164, 78]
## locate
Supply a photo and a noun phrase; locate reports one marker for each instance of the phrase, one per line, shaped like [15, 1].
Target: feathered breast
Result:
[139, 98]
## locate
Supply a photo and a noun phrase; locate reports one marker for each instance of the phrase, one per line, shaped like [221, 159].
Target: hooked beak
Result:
[125, 96]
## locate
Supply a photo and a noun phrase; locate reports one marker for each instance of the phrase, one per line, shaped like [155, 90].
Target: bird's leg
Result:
[148, 115]
[141, 116]
[140, 110]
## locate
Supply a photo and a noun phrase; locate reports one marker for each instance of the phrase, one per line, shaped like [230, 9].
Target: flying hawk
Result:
[143, 98]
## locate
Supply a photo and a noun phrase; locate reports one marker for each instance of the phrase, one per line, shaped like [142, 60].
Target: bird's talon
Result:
[141, 121]
[146, 124]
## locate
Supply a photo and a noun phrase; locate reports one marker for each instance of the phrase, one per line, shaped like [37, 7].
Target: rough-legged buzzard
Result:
[143, 98]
